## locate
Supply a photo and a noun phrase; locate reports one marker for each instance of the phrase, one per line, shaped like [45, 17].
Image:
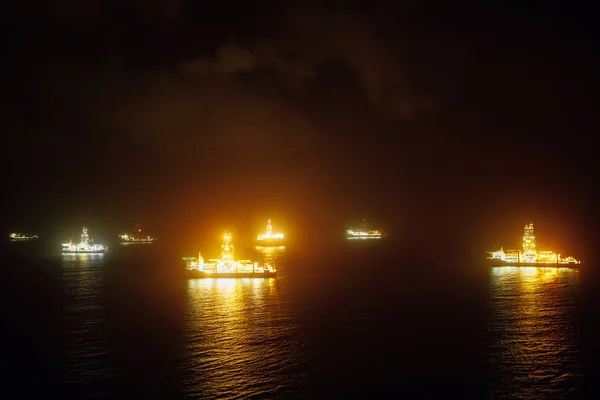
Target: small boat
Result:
[21, 237]
[364, 232]
[137, 236]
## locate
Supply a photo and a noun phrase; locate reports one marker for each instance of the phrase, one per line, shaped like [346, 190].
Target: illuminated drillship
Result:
[85, 246]
[364, 232]
[227, 266]
[136, 236]
[528, 255]
[269, 238]
[21, 237]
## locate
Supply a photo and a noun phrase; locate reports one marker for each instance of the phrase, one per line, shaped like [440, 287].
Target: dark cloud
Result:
[356, 42]
[268, 95]
[228, 60]
[311, 38]
[232, 59]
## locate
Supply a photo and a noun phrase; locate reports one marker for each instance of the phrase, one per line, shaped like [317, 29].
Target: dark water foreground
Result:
[357, 321]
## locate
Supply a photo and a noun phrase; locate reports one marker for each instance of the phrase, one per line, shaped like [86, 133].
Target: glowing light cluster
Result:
[269, 235]
[22, 236]
[227, 264]
[84, 246]
[529, 254]
[136, 237]
[364, 232]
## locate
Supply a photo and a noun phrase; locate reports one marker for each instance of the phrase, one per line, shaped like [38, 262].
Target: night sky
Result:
[443, 122]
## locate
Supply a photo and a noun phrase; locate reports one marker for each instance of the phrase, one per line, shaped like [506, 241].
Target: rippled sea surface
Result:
[358, 321]
[535, 348]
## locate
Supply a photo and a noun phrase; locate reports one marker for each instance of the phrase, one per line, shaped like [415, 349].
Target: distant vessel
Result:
[528, 255]
[364, 232]
[22, 237]
[85, 246]
[269, 238]
[227, 266]
[136, 236]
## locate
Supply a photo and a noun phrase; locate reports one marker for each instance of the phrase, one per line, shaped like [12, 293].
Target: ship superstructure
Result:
[528, 254]
[137, 236]
[22, 237]
[227, 266]
[86, 245]
[269, 238]
[364, 232]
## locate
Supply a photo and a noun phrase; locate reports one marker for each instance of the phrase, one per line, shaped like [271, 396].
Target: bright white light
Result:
[85, 246]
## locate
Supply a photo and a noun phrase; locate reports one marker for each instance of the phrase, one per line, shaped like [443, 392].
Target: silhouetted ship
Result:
[528, 256]
[226, 266]
[137, 236]
[85, 246]
[364, 232]
[22, 237]
[270, 239]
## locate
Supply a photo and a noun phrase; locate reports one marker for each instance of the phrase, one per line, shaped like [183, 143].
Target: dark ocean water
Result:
[360, 320]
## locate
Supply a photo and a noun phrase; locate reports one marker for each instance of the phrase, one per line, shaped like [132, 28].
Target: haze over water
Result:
[360, 320]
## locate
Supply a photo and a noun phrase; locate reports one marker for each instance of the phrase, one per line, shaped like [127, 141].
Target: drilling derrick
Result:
[529, 250]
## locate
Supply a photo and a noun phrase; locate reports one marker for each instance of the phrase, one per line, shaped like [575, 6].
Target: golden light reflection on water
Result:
[532, 337]
[271, 255]
[239, 332]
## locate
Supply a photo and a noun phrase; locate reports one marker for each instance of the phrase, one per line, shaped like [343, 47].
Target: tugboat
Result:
[85, 246]
[21, 237]
[227, 266]
[364, 232]
[270, 239]
[136, 237]
[529, 256]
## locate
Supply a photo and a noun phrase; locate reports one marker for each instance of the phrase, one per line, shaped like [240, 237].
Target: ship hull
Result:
[199, 274]
[362, 237]
[498, 263]
[85, 252]
[269, 243]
